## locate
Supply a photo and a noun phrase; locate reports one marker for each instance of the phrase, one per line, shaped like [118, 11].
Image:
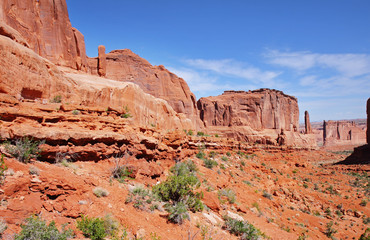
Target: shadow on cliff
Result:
[360, 155]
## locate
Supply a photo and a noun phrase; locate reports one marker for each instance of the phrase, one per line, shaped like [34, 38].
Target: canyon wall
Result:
[343, 133]
[45, 27]
[264, 116]
[126, 66]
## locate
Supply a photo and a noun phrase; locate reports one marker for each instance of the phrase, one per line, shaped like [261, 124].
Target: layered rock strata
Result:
[126, 66]
[343, 133]
[263, 116]
[25, 76]
[45, 27]
[368, 121]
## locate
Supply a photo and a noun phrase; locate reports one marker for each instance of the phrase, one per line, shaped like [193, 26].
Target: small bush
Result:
[267, 195]
[245, 230]
[100, 192]
[3, 168]
[34, 171]
[178, 212]
[363, 203]
[330, 231]
[365, 235]
[57, 99]
[141, 198]
[200, 134]
[228, 154]
[93, 228]
[229, 194]
[126, 115]
[3, 227]
[209, 163]
[76, 112]
[121, 173]
[189, 132]
[37, 229]
[224, 158]
[201, 155]
[24, 149]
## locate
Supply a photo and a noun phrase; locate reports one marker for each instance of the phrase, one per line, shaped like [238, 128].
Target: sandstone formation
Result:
[102, 61]
[45, 27]
[125, 66]
[368, 121]
[263, 116]
[342, 133]
[307, 123]
[25, 76]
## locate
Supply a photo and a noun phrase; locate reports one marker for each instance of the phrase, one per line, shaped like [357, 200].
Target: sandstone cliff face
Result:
[368, 121]
[125, 66]
[45, 26]
[343, 133]
[263, 116]
[259, 109]
[25, 76]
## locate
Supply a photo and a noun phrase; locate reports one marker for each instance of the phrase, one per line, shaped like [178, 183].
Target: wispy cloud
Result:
[230, 67]
[350, 65]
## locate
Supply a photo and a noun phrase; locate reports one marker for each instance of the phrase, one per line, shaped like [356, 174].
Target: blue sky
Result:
[318, 51]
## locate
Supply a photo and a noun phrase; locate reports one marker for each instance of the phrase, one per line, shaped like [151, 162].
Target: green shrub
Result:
[229, 194]
[3, 168]
[245, 230]
[189, 132]
[267, 195]
[37, 229]
[365, 235]
[57, 99]
[209, 163]
[24, 149]
[363, 203]
[228, 154]
[141, 198]
[200, 134]
[100, 192]
[178, 212]
[179, 187]
[93, 228]
[330, 231]
[3, 227]
[76, 112]
[201, 155]
[224, 158]
[126, 115]
[121, 173]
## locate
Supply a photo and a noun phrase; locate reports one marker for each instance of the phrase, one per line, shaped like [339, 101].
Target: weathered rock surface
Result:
[307, 123]
[263, 116]
[46, 28]
[126, 66]
[102, 61]
[26, 76]
[368, 121]
[343, 133]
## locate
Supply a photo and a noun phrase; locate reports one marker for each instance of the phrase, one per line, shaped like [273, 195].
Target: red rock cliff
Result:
[264, 116]
[45, 26]
[126, 66]
[259, 109]
[343, 133]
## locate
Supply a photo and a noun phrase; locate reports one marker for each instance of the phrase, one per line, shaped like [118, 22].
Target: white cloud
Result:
[350, 65]
[230, 67]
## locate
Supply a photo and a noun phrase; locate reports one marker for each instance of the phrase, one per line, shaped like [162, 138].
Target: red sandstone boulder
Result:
[46, 27]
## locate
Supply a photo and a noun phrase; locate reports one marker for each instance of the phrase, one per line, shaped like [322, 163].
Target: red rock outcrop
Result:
[102, 61]
[307, 123]
[44, 25]
[368, 121]
[343, 133]
[126, 66]
[25, 76]
[264, 116]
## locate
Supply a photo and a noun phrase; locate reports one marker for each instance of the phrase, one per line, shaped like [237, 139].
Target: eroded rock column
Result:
[368, 121]
[307, 123]
[102, 61]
